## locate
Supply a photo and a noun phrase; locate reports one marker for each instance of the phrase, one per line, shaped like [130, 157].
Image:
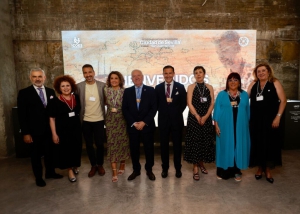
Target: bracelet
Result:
[279, 115]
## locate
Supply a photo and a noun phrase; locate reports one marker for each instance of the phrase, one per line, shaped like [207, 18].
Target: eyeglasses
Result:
[233, 80]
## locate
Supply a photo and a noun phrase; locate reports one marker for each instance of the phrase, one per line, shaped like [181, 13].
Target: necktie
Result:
[138, 96]
[41, 94]
[168, 91]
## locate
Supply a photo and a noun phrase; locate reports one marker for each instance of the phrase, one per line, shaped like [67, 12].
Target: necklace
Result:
[234, 96]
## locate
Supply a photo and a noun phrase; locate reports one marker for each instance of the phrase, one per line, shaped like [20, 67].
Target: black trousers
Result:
[42, 146]
[94, 132]
[148, 142]
[176, 136]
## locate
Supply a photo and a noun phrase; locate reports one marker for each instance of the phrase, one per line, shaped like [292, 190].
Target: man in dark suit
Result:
[171, 102]
[34, 123]
[139, 109]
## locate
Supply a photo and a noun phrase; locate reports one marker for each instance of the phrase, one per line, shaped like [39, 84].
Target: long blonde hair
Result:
[271, 78]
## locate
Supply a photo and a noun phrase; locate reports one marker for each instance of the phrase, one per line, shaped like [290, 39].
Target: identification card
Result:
[114, 110]
[203, 99]
[233, 103]
[92, 99]
[260, 98]
[138, 100]
[169, 100]
[72, 114]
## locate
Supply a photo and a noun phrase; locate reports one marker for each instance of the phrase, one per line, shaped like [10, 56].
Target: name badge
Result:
[203, 99]
[233, 103]
[138, 100]
[260, 98]
[169, 100]
[92, 99]
[114, 110]
[72, 114]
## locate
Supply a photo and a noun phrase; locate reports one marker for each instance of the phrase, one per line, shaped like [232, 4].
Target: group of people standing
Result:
[246, 135]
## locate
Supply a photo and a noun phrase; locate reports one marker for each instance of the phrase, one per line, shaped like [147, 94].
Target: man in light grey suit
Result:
[91, 93]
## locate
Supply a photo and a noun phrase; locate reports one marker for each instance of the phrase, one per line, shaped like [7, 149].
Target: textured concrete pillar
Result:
[8, 91]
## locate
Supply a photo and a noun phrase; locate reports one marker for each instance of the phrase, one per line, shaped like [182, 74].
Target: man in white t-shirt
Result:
[91, 93]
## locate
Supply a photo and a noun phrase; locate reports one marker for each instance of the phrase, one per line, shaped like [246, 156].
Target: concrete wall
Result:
[8, 92]
[37, 26]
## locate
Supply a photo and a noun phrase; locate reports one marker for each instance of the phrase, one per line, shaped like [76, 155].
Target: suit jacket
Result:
[33, 117]
[146, 111]
[81, 93]
[170, 113]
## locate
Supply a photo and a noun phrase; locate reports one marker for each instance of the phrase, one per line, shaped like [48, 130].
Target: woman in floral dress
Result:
[117, 138]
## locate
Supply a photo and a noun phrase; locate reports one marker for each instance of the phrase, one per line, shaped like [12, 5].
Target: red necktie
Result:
[168, 91]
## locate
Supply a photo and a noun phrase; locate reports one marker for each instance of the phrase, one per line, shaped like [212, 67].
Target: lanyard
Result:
[114, 99]
[201, 94]
[72, 104]
[91, 87]
[257, 93]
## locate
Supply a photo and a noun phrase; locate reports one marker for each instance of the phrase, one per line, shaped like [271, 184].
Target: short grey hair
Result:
[37, 69]
[137, 70]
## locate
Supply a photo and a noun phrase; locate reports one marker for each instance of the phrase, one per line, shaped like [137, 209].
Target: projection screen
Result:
[218, 51]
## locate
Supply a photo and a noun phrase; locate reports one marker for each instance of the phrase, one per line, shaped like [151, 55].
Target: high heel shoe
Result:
[121, 171]
[72, 179]
[270, 180]
[258, 177]
[114, 178]
[75, 170]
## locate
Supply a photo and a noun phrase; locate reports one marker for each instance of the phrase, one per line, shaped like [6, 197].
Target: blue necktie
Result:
[41, 94]
[138, 96]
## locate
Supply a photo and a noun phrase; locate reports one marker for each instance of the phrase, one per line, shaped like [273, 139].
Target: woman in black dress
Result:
[65, 125]
[199, 146]
[267, 103]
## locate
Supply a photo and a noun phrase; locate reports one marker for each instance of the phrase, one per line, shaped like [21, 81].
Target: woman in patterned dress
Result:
[117, 138]
[199, 145]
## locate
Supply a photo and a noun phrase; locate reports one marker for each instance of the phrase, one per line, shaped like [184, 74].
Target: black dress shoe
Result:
[40, 182]
[270, 180]
[164, 174]
[178, 174]
[151, 176]
[257, 177]
[54, 176]
[133, 175]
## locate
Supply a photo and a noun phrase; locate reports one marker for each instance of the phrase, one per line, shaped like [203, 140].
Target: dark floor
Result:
[19, 194]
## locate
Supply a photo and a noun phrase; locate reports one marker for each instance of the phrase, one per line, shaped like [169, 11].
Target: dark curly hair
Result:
[64, 78]
[121, 78]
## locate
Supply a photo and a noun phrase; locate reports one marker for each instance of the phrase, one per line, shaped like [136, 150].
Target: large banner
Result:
[218, 51]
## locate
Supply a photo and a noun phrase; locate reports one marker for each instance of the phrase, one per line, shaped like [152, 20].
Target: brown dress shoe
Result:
[101, 170]
[151, 176]
[93, 171]
[133, 175]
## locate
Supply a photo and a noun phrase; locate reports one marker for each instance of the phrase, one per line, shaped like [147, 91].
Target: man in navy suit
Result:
[34, 123]
[139, 109]
[171, 102]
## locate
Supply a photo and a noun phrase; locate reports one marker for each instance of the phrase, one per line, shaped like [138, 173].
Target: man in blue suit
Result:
[171, 102]
[139, 109]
